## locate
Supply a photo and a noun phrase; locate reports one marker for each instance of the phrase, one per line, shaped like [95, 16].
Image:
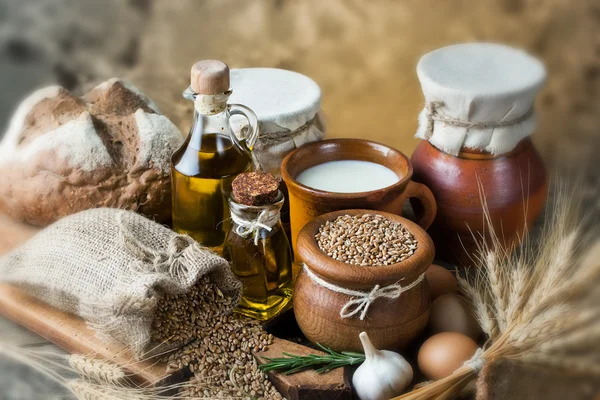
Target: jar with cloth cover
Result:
[287, 105]
[476, 155]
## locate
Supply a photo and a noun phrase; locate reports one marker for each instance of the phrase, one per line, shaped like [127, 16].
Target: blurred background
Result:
[362, 54]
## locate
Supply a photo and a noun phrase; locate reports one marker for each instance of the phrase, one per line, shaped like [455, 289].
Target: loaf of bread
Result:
[63, 154]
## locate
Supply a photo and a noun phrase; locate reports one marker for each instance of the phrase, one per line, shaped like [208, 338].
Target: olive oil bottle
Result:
[210, 158]
[257, 247]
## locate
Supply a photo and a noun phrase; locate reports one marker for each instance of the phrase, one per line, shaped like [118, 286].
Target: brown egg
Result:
[450, 313]
[441, 281]
[444, 353]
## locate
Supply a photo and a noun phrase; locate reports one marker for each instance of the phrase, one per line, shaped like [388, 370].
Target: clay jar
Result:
[477, 156]
[515, 190]
[390, 323]
[307, 203]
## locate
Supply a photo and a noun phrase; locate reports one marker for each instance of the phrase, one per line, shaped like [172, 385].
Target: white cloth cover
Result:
[287, 105]
[478, 95]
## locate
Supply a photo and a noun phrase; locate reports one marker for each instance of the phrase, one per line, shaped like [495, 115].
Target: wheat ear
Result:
[552, 315]
[498, 287]
[478, 306]
[97, 370]
[85, 390]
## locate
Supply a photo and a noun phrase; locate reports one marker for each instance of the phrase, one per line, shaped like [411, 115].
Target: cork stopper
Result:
[255, 188]
[210, 77]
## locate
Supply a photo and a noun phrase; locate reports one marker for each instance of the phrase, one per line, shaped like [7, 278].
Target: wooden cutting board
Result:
[71, 334]
[307, 385]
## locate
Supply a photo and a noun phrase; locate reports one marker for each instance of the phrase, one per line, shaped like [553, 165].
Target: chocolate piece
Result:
[255, 188]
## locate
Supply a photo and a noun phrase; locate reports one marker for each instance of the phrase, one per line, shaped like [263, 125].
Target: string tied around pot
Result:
[433, 115]
[266, 220]
[361, 301]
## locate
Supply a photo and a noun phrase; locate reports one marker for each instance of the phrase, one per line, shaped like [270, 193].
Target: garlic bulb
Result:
[383, 375]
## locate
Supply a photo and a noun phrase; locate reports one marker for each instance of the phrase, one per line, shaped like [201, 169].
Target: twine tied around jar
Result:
[361, 301]
[267, 219]
[432, 114]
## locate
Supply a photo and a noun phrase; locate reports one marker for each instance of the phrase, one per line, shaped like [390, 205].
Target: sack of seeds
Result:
[113, 267]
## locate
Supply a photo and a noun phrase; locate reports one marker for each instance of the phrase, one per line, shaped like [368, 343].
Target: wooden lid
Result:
[210, 77]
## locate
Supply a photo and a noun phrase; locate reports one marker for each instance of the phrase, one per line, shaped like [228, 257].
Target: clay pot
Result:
[514, 185]
[391, 324]
[307, 203]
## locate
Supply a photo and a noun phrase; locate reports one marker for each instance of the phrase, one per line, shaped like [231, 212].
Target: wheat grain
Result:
[478, 306]
[97, 370]
[498, 287]
[85, 390]
[366, 240]
[559, 261]
[517, 287]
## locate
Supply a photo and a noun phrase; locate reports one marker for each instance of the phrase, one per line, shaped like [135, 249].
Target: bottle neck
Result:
[213, 123]
[256, 221]
[210, 116]
[211, 104]
[253, 212]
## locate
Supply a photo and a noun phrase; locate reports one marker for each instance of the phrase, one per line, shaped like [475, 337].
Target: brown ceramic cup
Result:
[307, 203]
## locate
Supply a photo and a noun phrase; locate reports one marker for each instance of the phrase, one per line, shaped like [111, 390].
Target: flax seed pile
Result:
[218, 347]
[366, 240]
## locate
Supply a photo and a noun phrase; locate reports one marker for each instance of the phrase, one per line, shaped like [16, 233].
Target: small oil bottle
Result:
[210, 158]
[257, 246]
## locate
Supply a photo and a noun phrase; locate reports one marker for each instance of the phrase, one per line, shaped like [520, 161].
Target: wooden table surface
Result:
[18, 381]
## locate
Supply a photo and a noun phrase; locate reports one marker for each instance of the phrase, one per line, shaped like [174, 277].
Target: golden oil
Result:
[203, 168]
[201, 184]
[263, 264]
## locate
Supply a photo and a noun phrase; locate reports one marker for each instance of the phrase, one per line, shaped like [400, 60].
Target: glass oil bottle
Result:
[260, 256]
[210, 158]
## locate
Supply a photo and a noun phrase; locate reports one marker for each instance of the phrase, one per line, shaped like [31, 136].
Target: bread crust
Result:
[63, 154]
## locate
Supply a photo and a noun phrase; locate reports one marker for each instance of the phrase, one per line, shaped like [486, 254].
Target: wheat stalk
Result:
[85, 390]
[100, 379]
[498, 287]
[483, 315]
[560, 259]
[97, 370]
[544, 296]
[518, 278]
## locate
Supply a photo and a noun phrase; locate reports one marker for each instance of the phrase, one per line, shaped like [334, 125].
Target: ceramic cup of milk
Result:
[341, 174]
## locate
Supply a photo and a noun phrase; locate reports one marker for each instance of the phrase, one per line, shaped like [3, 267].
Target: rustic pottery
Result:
[390, 323]
[476, 125]
[307, 203]
[515, 190]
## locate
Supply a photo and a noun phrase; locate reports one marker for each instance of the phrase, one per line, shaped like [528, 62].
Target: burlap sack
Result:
[110, 267]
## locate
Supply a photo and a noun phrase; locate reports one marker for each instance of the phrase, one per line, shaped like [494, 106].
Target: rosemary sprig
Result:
[320, 363]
